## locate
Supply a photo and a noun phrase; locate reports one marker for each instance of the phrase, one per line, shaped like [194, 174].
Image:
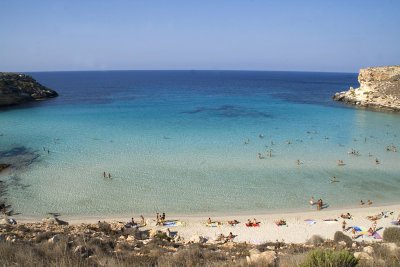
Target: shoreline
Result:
[296, 231]
[310, 209]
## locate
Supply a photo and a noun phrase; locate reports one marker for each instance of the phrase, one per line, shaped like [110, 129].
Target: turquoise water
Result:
[173, 141]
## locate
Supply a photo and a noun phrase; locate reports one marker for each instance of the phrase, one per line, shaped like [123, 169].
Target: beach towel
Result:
[213, 224]
[252, 225]
[377, 236]
[310, 221]
[170, 224]
[330, 220]
[356, 228]
[365, 233]
[395, 223]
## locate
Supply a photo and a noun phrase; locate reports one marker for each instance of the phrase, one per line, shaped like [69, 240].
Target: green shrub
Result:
[328, 258]
[391, 234]
[339, 236]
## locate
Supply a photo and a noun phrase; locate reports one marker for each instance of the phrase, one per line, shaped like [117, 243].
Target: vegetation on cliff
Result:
[19, 88]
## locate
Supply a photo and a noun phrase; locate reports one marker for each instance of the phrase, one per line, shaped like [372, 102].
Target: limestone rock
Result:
[53, 240]
[368, 250]
[4, 221]
[363, 256]
[267, 257]
[197, 239]
[19, 88]
[390, 246]
[379, 89]
[130, 238]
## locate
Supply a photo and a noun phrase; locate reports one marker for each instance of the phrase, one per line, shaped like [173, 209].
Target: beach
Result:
[296, 229]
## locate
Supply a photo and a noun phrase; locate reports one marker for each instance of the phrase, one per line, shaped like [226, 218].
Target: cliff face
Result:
[19, 88]
[379, 89]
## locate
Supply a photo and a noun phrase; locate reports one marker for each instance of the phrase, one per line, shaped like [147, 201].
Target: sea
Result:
[195, 142]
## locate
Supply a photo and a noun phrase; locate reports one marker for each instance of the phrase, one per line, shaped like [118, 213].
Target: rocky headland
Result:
[379, 89]
[19, 88]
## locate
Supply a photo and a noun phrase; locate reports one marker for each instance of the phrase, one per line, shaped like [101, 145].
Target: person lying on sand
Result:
[346, 216]
[233, 223]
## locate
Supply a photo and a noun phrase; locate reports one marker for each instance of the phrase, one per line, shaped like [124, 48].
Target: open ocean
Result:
[173, 141]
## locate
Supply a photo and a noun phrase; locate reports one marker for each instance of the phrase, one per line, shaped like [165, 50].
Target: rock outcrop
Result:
[19, 88]
[379, 89]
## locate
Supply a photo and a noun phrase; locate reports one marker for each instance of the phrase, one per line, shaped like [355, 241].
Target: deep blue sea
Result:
[189, 142]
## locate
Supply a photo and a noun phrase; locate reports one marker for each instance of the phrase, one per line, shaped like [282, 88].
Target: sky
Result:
[332, 36]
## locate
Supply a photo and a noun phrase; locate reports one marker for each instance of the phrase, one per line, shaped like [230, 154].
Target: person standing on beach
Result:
[109, 176]
[312, 201]
[104, 174]
[344, 226]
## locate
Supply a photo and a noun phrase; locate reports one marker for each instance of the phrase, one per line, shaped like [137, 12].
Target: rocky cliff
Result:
[19, 88]
[379, 89]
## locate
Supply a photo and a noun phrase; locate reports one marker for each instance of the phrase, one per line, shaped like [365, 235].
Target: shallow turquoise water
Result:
[174, 142]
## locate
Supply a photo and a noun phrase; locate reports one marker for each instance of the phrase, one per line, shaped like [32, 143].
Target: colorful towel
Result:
[377, 236]
[310, 221]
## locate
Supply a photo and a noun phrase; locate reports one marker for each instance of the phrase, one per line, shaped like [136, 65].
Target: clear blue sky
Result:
[340, 36]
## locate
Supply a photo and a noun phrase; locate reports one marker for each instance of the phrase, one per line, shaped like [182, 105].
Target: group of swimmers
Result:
[104, 175]
[48, 151]
[319, 203]
[368, 202]
[392, 147]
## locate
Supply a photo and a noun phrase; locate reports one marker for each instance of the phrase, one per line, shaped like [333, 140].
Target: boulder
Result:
[197, 239]
[363, 256]
[130, 238]
[53, 240]
[4, 221]
[368, 250]
[266, 258]
[390, 246]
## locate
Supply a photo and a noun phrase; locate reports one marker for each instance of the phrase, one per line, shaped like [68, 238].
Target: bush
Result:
[339, 236]
[325, 258]
[391, 234]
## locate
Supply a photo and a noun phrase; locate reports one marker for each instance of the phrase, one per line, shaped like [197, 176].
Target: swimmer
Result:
[259, 156]
[361, 203]
[104, 174]
[369, 202]
[298, 162]
[109, 176]
[387, 148]
[377, 161]
[312, 201]
[333, 179]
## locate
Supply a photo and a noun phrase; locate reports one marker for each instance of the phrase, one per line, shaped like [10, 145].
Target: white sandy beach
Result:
[296, 231]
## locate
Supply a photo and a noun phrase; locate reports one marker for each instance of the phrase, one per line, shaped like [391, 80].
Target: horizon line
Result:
[194, 70]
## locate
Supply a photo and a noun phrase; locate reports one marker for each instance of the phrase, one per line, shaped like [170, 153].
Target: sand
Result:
[296, 230]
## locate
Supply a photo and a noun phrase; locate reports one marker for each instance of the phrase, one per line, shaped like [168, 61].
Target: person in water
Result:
[369, 202]
[312, 201]
[333, 179]
[361, 203]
